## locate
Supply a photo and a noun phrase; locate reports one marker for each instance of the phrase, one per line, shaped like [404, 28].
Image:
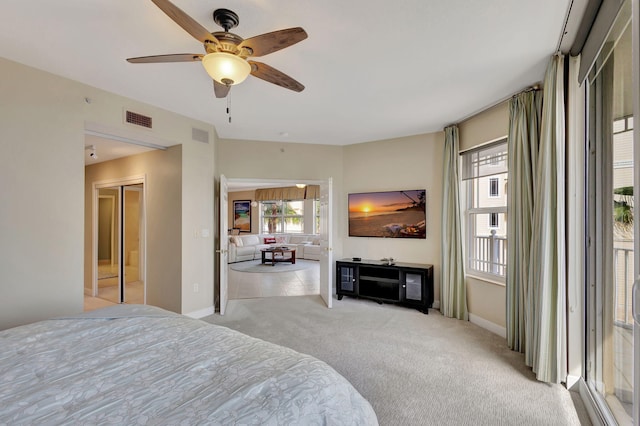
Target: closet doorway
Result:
[119, 241]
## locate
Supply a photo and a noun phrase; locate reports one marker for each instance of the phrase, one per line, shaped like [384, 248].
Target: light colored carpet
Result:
[415, 369]
[257, 266]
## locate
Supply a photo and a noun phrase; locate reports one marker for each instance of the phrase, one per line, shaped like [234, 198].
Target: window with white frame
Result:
[485, 211]
[277, 217]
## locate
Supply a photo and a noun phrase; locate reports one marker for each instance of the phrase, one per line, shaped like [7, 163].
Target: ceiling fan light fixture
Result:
[226, 68]
[300, 185]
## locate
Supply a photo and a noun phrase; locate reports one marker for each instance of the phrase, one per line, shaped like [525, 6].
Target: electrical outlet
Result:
[196, 287]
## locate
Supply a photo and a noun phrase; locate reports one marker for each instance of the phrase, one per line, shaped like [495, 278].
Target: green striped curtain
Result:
[453, 293]
[535, 284]
[524, 127]
[548, 267]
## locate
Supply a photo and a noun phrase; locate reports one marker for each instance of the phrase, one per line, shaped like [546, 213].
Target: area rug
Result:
[257, 266]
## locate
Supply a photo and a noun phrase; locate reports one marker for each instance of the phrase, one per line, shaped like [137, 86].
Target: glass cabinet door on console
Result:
[412, 287]
[346, 280]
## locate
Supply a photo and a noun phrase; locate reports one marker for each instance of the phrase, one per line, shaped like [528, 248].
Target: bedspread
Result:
[134, 364]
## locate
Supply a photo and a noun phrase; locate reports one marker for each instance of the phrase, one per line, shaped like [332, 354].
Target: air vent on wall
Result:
[199, 135]
[138, 119]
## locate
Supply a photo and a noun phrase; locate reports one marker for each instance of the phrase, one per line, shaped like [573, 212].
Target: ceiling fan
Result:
[226, 54]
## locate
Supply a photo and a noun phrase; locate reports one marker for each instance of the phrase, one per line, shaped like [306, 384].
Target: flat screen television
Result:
[388, 214]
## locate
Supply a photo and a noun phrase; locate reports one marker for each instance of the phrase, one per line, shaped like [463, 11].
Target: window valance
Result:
[309, 192]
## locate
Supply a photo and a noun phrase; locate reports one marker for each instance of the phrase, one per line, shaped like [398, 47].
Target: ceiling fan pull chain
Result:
[229, 107]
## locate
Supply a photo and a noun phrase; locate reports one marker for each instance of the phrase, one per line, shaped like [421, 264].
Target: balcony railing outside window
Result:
[489, 254]
[623, 282]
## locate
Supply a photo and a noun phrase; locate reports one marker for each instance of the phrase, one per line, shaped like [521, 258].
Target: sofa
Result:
[249, 246]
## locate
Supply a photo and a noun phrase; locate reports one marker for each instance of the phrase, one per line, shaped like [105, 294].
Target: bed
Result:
[136, 364]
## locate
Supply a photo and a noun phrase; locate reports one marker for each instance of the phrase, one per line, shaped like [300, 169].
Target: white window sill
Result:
[484, 278]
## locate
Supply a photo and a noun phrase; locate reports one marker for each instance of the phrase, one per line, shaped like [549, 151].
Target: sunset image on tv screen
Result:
[394, 214]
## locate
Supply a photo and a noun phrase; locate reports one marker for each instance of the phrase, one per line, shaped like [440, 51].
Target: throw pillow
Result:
[281, 240]
[269, 240]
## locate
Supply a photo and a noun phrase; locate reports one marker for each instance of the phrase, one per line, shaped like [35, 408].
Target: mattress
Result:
[136, 364]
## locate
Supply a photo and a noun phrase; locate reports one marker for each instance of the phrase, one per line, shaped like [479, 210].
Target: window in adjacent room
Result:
[282, 216]
[485, 211]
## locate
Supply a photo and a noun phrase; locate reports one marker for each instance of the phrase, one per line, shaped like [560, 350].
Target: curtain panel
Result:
[548, 259]
[524, 132]
[453, 294]
[536, 288]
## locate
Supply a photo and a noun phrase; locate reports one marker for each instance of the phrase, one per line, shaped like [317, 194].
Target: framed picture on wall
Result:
[242, 215]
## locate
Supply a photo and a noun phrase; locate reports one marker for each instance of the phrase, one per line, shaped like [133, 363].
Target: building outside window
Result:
[485, 211]
[278, 216]
[494, 190]
[493, 221]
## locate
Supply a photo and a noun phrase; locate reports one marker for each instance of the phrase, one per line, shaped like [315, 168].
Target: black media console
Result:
[409, 284]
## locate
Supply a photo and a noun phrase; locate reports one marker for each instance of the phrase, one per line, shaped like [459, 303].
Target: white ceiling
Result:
[372, 69]
[108, 149]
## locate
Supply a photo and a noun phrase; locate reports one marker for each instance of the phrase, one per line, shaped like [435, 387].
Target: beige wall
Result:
[42, 138]
[41, 187]
[485, 299]
[413, 162]
[162, 170]
[255, 213]
[198, 227]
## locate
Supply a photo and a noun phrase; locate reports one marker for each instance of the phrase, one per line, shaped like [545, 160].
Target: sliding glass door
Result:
[612, 260]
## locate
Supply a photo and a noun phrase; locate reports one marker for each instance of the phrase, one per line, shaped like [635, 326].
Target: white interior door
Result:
[326, 253]
[224, 243]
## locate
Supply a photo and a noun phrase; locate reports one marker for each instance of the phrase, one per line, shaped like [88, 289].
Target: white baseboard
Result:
[201, 313]
[488, 325]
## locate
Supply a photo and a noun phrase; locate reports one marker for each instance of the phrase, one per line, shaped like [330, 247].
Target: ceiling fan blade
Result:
[185, 21]
[178, 57]
[272, 75]
[221, 90]
[272, 42]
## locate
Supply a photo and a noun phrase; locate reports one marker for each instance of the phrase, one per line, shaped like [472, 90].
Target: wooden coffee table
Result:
[278, 254]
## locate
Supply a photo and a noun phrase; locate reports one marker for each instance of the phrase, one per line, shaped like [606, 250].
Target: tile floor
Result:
[250, 285]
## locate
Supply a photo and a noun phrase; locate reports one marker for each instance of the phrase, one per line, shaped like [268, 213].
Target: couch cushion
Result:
[236, 240]
[244, 251]
[250, 240]
[298, 239]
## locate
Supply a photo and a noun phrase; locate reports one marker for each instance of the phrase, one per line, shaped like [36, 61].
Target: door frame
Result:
[109, 183]
[285, 182]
